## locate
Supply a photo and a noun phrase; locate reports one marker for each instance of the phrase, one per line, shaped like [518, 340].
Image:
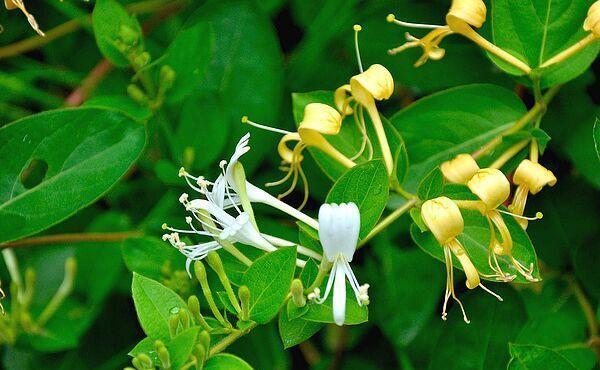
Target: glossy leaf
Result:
[323, 313]
[367, 186]
[532, 357]
[61, 161]
[269, 279]
[296, 331]
[154, 304]
[454, 121]
[226, 361]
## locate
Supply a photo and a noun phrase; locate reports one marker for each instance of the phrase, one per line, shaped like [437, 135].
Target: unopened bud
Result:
[128, 35]
[173, 325]
[163, 356]
[141, 60]
[200, 353]
[244, 295]
[298, 293]
[214, 261]
[137, 94]
[204, 340]
[184, 319]
[200, 272]
[145, 360]
[167, 77]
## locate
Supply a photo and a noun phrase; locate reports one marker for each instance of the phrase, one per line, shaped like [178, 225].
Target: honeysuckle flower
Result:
[231, 187]
[338, 231]
[460, 169]
[443, 218]
[461, 18]
[530, 177]
[319, 120]
[491, 186]
[590, 24]
[19, 4]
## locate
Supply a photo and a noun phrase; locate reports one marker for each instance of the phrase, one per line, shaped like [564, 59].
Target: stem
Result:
[567, 53]
[229, 339]
[72, 238]
[388, 220]
[66, 287]
[509, 153]
[93, 79]
[533, 113]
[323, 269]
[73, 25]
[588, 311]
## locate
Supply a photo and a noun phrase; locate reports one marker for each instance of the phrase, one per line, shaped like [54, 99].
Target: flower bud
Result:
[128, 35]
[592, 22]
[142, 60]
[204, 339]
[298, 293]
[137, 94]
[491, 186]
[460, 169]
[167, 76]
[472, 12]
[374, 83]
[443, 218]
[244, 295]
[534, 176]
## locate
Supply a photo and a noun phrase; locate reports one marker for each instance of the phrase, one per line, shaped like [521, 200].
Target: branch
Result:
[72, 238]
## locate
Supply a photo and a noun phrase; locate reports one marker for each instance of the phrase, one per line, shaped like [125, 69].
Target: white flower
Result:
[339, 226]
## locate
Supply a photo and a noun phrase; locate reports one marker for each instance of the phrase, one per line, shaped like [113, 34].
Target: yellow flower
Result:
[530, 177]
[319, 119]
[460, 169]
[376, 83]
[443, 218]
[18, 4]
[592, 22]
[491, 186]
[462, 16]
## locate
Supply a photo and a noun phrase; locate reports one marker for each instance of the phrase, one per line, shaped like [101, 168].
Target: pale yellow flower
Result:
[443, 218]
[592, 22]
[460, 169]
[19, 4]
[530, 177]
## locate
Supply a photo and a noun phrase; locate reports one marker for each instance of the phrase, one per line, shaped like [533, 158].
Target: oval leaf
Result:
[61, 161]
[224, 361]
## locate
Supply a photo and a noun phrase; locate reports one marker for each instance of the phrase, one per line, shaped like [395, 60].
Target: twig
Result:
[388, 220]
[93, 79]
[72, 238]
[225, 342]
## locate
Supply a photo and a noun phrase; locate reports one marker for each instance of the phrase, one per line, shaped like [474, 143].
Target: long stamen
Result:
[357, 29]
[391, 18]
[490, 292]
[538, 215]
[448, 258]
[264, 127]
[304, 187]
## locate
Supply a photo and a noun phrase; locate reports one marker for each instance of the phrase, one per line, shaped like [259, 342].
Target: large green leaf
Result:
[482, 344]
[532, 357]
[401, 307]
[367, 186]
[111, 22]
[61, 161]
[454, 121]
[227, 361]
[536, 30]
[475, 239]
[269, 279]
[245, 69]
[296, 331]
[154, 304]
[348, 141]
[323, 313]
[149, 256]
[188, 55]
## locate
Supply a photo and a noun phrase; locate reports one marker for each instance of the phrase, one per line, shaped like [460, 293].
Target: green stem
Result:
[229, 339]
[324, 267]
[72, 238]
[66, 287]
[388, 220]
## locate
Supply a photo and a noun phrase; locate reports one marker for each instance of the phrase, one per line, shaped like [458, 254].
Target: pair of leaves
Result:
[536, 30]
[61, 161]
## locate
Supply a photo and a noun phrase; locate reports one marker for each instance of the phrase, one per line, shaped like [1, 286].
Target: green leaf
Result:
[295, 331]
[269, 279]
[61, 161]
[188, 55]
[349, 139]
[597, 138]
[122, 103]
[154, 304]
[432, 185]
[581, 149]
[203, 131]
[402, 307]
[245, 70]
[542, 138]
[532, 357]
[226, 361]
[415, 215]
[586, 260]
[148, 256]
[181, 346]
[110, 19]
[366, 185]
[475, 239]
[536, 30]
[454, 121]
[482, 343]
[146, 345]
[309, 237]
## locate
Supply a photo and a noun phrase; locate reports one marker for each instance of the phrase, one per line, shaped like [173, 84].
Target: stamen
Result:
[538, 215]
[490, 292]
[357, 29]
[264, 127]
[391, 18]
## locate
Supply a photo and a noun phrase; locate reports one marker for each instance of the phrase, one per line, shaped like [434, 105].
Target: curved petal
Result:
[339, 297]
[339, 226]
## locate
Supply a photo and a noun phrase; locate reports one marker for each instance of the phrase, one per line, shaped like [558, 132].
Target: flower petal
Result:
[339, 297]
[339, 226]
